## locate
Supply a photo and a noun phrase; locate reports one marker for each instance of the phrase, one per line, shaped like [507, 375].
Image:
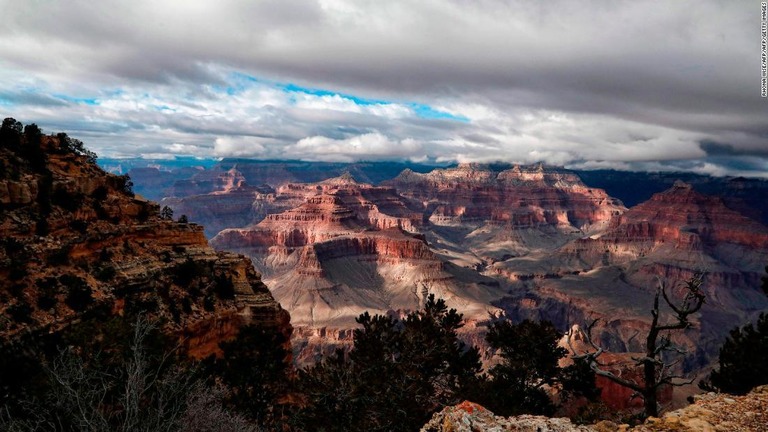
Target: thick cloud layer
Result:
[627, 84]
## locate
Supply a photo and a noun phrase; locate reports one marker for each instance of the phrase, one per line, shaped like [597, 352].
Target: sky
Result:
[640, 85]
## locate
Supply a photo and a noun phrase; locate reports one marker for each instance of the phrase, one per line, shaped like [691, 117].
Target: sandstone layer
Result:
[76, 239]
[612, 275]
[535, 241]
[495, 215]
[347, 249]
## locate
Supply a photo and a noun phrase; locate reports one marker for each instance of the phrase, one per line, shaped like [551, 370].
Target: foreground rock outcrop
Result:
[75, 241]
[471, 417]
[709, 413]
[716, 412]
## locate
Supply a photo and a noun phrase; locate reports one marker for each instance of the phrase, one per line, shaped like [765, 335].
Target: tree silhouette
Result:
[397, 374]
[656, 371]
[742, 361]
[256, 367]
[530, 357]
[166, 213]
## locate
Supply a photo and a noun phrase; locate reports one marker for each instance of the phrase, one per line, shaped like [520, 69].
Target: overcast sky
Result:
[650, 85]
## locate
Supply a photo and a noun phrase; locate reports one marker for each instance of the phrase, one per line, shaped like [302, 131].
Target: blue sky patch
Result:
[427, 112]
[241, 81]
[77, 100]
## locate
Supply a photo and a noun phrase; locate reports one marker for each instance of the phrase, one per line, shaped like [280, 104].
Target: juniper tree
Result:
[656, 370]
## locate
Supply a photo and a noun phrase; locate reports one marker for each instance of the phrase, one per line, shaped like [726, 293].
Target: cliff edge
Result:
[76, 242]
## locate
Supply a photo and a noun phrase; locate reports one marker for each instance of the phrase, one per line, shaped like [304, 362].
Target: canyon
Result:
[527, 241]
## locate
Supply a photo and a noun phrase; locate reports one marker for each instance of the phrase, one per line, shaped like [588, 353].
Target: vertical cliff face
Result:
[533, 240]
[675, 234]
[76, 239]
[667, 239]
[345, 250]
[479, 215]
[680, 213]
[522, 196]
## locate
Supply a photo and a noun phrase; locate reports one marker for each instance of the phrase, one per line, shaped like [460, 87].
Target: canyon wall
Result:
[76, 239]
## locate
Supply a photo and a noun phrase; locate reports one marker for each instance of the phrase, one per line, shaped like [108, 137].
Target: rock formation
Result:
[522, 196]
[496, 215]
[76, 239]
[710, 412]
[350, 248]
[667, 239]
[535, 241]
[471, 417]
[234, 203]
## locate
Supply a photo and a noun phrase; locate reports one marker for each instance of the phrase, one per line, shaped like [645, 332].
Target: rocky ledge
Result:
[716, 412]
[709, 413]
[471, 417]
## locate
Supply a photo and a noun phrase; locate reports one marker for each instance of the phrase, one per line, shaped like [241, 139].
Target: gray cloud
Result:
[714, 148]
[625, 84]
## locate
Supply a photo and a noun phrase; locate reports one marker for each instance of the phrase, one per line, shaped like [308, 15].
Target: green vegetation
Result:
[397, 374]
[166, 213]
[256, 369]
[742, 362]
[122, 375]
[69, 145]
[530, 355]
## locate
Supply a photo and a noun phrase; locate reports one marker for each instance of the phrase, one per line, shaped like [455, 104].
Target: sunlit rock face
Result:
[522, 196]
[67, 223]
[664, 241]
[533, 240]
[350, 248]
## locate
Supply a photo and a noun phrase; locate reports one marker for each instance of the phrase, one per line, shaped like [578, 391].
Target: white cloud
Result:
[564, 82]
[370, 146]
[238, 146]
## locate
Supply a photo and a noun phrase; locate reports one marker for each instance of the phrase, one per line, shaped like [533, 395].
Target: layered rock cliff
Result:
[533, 240]
[496, 215]
[347, 249]
[665, 240]
[76, 239]
[522, 196]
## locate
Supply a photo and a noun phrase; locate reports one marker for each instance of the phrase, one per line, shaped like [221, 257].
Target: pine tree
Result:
[397, 374]
[742, 362]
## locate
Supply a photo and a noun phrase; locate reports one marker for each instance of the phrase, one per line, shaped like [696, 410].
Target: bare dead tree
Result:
[656, 371]
[138, 395]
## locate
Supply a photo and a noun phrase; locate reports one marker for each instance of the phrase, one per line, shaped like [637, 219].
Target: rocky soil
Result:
[709, 413]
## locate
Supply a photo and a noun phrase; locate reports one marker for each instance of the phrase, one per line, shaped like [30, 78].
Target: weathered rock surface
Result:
[612, 275]
[235, 203]
[346, 250]
[709, 413]
[479, 215]
[716, 412]
[522, 196]
[74, 239]
[471, 417]
[533, 240]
